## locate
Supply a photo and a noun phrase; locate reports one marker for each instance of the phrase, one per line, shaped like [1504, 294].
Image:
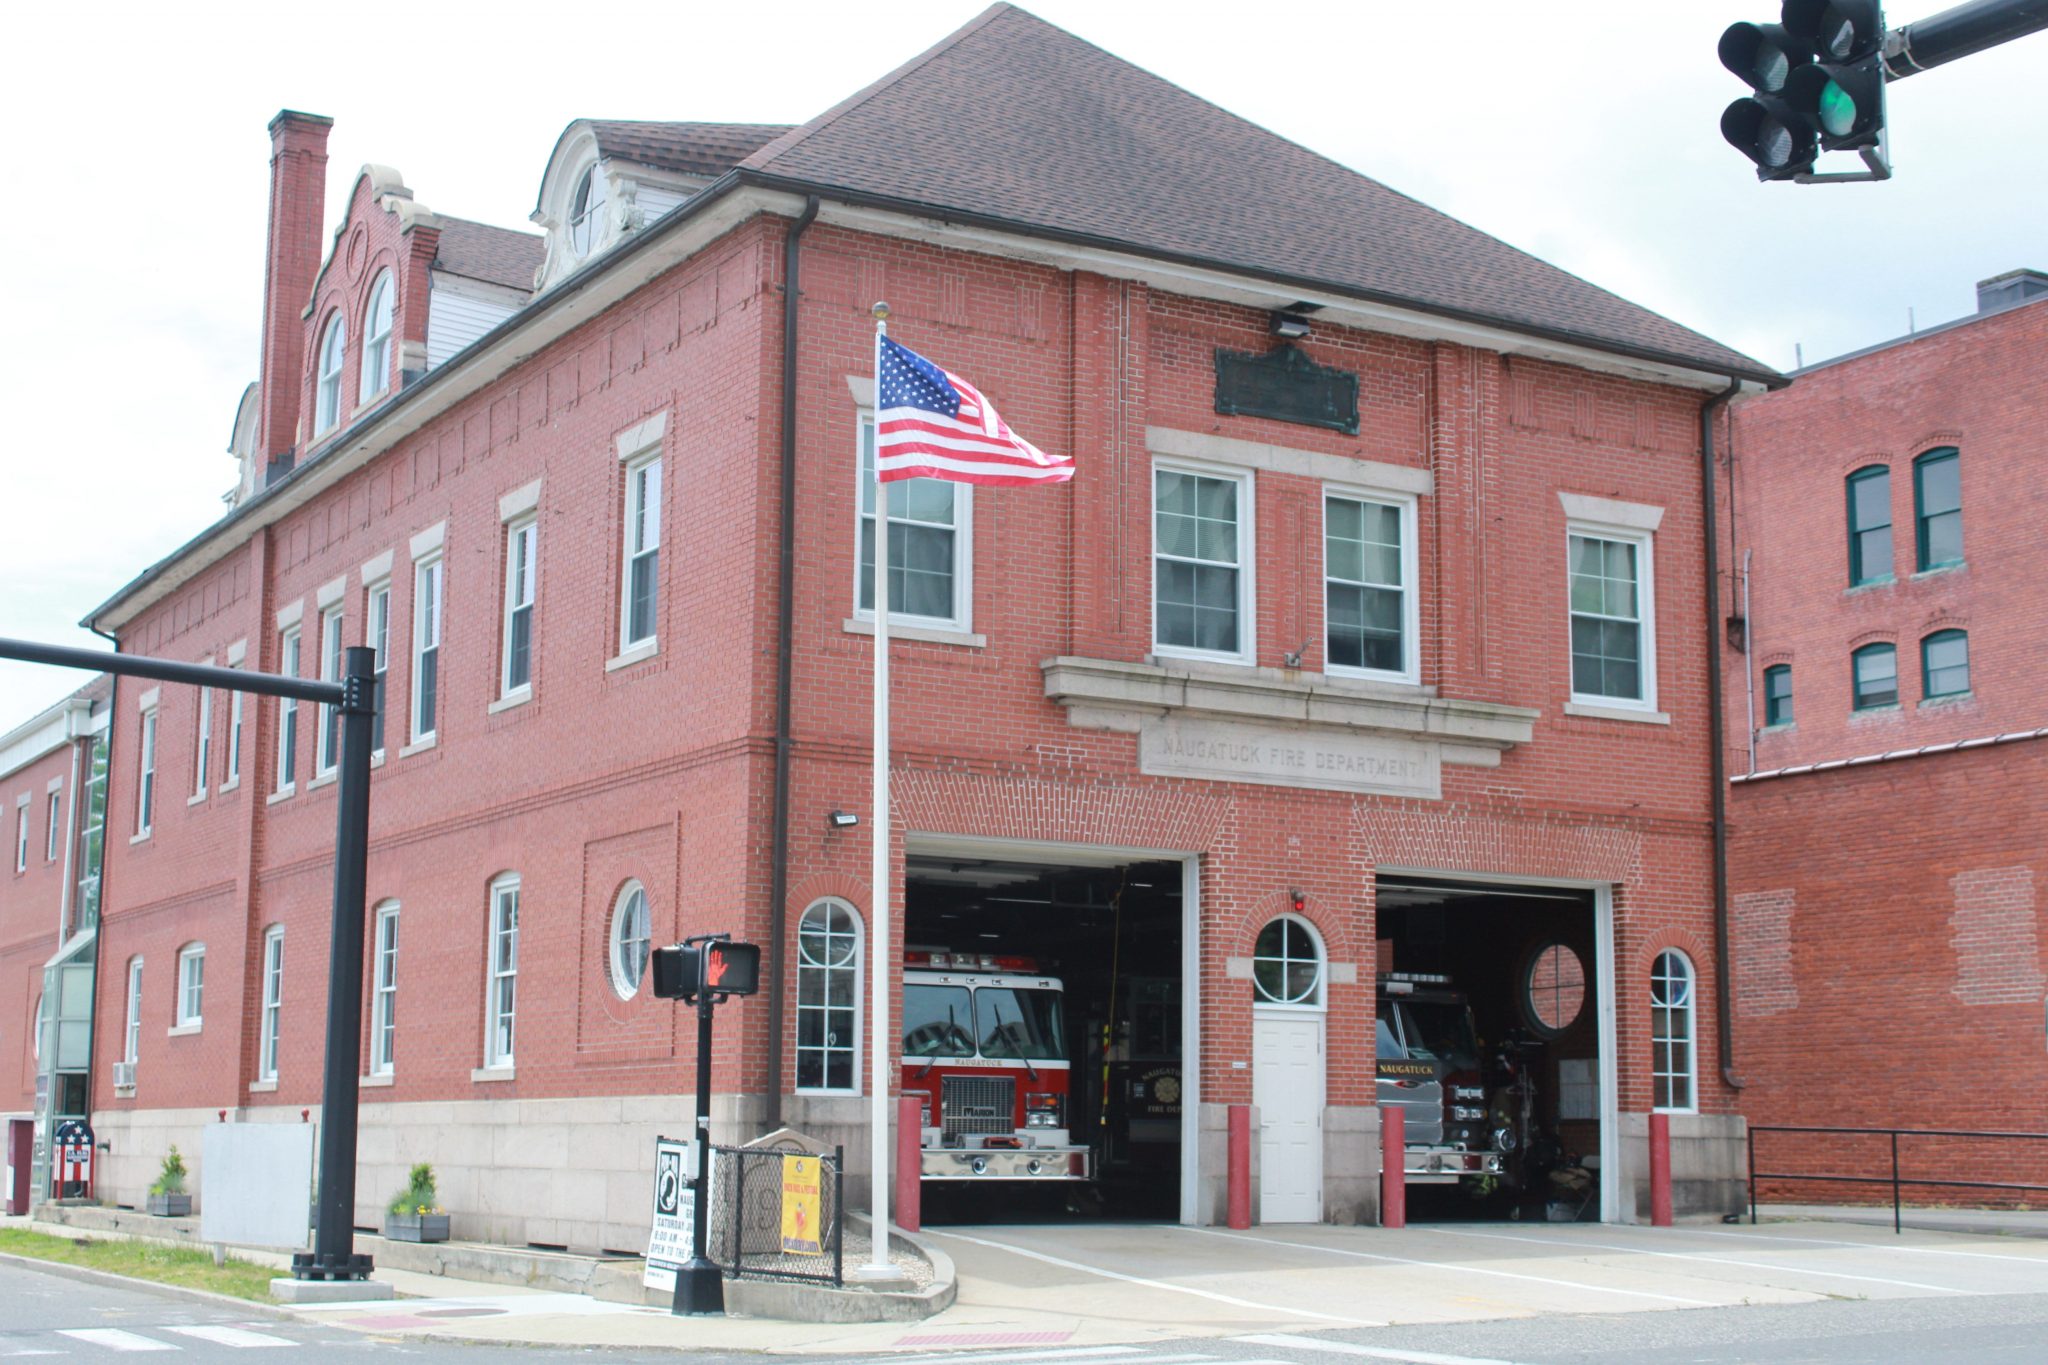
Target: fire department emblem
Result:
[1166, 1090]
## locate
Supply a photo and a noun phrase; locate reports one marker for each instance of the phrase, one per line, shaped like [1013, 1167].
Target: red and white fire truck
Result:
[984, 1045]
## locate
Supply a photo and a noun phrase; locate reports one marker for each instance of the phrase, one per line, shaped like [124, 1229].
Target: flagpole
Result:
[880, 956]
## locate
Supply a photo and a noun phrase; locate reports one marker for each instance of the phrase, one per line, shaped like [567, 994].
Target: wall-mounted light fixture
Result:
[1289, 326]
[842, 819]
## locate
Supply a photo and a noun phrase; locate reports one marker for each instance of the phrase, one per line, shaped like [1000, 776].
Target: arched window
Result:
[586, 212]
[1877, 676]
[376, 375]
[1870, 525]
[1938, 509]
[327, 398]
[1287, 964]
[1673, 1064]
[630, 936]
[828, 997]
[1945, 664]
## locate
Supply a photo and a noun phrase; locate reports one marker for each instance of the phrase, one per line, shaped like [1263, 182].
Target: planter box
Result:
[170, 1205]
[416, 1227]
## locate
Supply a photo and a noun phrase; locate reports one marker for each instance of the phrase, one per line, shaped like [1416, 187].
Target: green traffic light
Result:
[1837, 110]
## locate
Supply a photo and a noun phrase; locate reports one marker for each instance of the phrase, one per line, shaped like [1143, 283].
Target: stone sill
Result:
[263, 1087]
[511, 699]
[182, 1030]
[900, 630]
[1580, 708]
[376, 1079]
[1111, 694]
[631, 655]
[326, 779]
[493, 1073]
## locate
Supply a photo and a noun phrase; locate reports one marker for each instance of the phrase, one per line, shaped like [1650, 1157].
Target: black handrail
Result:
[1894, 1179]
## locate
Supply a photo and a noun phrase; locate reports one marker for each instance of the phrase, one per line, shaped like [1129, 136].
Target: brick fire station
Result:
[1350, 704]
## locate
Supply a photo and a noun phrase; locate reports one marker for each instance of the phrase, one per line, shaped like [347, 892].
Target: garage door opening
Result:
[1042, 1023]
[1489, 1044]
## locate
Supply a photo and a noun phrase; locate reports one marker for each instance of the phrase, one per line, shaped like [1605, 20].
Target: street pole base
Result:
[313, 1265]
[700, 1289]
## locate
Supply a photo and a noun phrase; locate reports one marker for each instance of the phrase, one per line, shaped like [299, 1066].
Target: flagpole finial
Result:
[881, 311]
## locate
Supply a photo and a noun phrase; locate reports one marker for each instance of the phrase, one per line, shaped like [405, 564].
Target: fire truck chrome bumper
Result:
[1029, 1163]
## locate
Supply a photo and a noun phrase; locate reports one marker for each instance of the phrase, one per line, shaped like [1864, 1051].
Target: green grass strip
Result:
[145, 1261]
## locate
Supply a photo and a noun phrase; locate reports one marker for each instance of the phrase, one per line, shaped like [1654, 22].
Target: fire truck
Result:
[984, 1045]
[1461, 1120]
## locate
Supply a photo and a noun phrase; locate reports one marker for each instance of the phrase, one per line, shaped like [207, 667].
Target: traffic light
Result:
[682, 971]
[1818, 77]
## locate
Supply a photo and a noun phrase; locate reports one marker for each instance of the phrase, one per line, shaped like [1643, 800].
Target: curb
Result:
[108, 1277]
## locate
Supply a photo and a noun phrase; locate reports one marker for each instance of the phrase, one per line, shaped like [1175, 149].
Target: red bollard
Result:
[1660, 1170]
[1393, 1168]
[909, 1162]
[1240, 1167]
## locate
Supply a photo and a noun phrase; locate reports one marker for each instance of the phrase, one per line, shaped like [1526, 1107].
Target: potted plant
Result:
[415, 1213]
[167, 1197]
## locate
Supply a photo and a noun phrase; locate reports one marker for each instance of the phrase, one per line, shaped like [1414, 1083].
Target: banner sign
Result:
[800, 1232]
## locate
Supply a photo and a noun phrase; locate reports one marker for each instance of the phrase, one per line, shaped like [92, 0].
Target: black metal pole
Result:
[334, 1256]
[173, 670]
[1896, 1229]
[698, 1286]
[1752, 1176]
[1960, 32]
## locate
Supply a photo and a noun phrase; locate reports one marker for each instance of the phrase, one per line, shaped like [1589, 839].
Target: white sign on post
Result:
[675, 1212]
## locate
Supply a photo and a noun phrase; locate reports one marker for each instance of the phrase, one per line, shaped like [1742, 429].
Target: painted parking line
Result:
[1462, 1269]
[1348, 1348]
[1707, 1260]
[114, 1339]
[1162, 1285]
[239, 1337]
[1766, 1239]
[1076, 1353]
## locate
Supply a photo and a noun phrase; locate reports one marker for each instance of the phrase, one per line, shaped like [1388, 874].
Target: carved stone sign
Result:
[1283, 756]
[1286, 385]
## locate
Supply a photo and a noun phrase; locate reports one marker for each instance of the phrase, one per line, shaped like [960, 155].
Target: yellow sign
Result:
[800, 1232]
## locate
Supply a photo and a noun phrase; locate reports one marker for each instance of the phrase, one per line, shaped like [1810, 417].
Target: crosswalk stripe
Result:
[1348, 1348]
[1075, 1353]
[229, 1336]
[114, 1339]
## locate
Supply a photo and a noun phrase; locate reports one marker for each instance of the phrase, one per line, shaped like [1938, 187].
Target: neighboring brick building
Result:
[1415, 670]
[1889, 840]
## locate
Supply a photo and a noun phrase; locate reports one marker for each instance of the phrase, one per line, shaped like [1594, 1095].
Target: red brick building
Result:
[1888, 822]
[1368, 636]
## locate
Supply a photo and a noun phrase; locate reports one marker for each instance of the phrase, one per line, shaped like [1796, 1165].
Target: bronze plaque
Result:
[1286, 385]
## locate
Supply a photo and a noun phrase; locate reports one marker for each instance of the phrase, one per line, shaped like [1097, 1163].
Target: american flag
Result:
[936, 425]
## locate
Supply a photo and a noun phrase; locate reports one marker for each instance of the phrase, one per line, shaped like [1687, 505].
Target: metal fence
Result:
[1946, 1148]
[751, 1237]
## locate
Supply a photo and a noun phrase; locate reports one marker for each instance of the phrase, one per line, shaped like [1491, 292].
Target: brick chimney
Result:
[291, 258]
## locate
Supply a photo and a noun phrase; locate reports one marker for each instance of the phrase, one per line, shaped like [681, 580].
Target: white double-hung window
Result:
[384, 992]
[191, 984]
[329, 755]
[50, 830]
[131, 1039]
[377, 316]
[327, 392]
[1613, 628]
[640, 590]
[21, 835]
[145, 799]
[931, 547]
[522, 539]
[203, 752]
[378, 603]
[1369, 611]
[502, 975]
[426, 647]
[273, 1002]
[288, 713]
[1202, 562]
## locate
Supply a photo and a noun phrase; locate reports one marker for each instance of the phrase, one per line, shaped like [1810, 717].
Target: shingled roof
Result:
[478, 251]
[1018, 122]
[707, 149]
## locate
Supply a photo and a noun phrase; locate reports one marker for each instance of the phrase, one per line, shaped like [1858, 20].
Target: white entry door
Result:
[1287, 1086]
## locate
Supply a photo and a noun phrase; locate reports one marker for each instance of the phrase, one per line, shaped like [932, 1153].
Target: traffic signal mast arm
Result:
[1960, 32]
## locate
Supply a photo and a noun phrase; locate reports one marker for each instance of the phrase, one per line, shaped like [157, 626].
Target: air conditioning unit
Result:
[124, 1075]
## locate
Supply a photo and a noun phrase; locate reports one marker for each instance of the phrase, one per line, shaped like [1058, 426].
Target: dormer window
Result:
[327, 404]
[586, 213]
[377, 339]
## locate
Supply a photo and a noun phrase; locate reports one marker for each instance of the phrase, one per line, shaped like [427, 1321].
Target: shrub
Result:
[171, 1179]
[419, 1195]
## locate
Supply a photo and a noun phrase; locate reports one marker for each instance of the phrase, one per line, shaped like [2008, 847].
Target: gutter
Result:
[785, 626]
[1717, 760]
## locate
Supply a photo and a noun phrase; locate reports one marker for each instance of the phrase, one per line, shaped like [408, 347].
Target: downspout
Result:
[785, 629]
[99, 928]
[1748, 637]
[1717, 760]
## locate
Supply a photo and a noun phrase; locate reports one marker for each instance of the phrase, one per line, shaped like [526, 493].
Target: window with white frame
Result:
[630, 937]
[1368, 603]
[21, 836]
[327, 394]
[828, 998]
[191, 984]
[273, 1002]
[131, 1039]
[426, 647]
[521, 541]
[502, 985]
[1673, 1064]
[1287, 964]
[1613, 638]
[379, 639]
[50, 831]
[288, 713]
[1201, 563]
[202, 759]
[377, 316]
[234, 738]
[328, 754]
[639, 594]
[586, 212]
[384, 992]
[145, 794]
[931, 547]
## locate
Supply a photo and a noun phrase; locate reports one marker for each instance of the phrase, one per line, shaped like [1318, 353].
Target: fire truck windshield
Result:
[938, 1021]
[1439, 1033]
[1019, 1023]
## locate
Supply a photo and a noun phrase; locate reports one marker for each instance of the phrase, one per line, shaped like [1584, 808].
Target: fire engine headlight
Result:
[1041, 1118]
[1044, 1109]
[1504, 1139]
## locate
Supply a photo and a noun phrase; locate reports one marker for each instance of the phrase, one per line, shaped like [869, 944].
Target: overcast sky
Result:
[1587, 133]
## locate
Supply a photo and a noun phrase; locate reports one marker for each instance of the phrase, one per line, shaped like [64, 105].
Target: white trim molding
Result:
[429, 540]
[519, 501]
[290, 614]
[331, 592]
[237, 652]
[375, 568]
[637, 440]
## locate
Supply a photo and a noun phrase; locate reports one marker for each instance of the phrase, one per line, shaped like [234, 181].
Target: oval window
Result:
[1556, 989]
[1287, 964]
[630, 935]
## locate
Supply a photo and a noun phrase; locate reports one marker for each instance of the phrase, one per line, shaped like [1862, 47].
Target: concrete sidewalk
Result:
[1066, 1286]
[1983, 1222]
